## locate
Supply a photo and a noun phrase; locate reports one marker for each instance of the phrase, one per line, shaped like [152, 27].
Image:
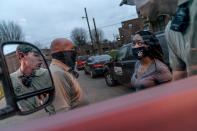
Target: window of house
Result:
[105, 49]
[130, 26]
[87, 52]
[162, 22]
[155, 26]
[146, 28]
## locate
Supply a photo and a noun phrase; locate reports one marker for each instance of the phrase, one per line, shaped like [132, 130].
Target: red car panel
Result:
[170, 107]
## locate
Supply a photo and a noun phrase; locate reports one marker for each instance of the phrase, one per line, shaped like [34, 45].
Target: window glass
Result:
[82, 58]
[130, 26]
[162, 22]
[130, 54]
[89, 59]
[122, 53]
[102, 57]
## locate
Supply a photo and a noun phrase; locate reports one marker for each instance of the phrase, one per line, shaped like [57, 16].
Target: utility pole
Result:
[86, 16]
[97, 37]
[115, 39]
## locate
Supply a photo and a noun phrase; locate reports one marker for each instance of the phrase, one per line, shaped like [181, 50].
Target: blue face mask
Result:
[139, 52]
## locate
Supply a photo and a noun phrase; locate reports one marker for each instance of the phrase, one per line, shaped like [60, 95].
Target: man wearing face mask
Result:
[68, 92]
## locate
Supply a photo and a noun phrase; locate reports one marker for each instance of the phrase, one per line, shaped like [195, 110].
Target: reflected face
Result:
[138, 42]
[32, 60]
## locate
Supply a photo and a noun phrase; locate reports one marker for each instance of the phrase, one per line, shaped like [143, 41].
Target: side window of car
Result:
[130, 54]
[88, 60]
[122, 54]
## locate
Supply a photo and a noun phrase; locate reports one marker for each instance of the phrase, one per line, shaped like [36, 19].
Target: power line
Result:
[54, 36]
[110, 25]
[130, 16]
[105, 26]
[126, 17]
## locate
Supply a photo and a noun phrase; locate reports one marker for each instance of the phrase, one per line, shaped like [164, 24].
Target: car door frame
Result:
[87, 65]
[129, 67]
[118, 64]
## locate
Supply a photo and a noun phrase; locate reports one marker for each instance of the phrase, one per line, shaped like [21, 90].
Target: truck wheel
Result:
[109, 79]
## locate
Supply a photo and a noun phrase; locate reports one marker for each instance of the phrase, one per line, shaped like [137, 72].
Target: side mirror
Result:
[26, 83]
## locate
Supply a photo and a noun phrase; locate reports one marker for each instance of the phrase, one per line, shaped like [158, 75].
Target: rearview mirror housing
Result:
[25, 78]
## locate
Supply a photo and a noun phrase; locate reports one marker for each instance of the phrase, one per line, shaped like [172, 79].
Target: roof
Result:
[127, 2]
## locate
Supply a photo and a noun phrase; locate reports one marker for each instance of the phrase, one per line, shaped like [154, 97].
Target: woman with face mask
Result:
[150, 69]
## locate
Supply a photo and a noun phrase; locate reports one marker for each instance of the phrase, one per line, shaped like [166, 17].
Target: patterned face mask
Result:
[139, 52]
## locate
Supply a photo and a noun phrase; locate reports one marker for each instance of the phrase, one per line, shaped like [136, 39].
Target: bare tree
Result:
[100, 35]
[40, 45]
[79, 36]
[10, 31]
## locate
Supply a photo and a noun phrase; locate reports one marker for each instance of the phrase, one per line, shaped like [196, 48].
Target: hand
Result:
[74, 73]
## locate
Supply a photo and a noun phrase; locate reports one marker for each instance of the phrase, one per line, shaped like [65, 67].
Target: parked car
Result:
[120, 69]
[80, 62]
[94, 64]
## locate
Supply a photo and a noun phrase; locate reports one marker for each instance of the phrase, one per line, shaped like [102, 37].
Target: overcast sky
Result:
[45, 20]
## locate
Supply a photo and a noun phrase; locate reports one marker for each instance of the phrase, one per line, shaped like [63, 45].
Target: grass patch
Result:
[112, 53]
[1, 91]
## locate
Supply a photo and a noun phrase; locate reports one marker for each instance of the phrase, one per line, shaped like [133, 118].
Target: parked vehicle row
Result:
[94, 65]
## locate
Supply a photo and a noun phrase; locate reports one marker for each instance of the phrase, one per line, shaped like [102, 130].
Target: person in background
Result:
[150, 69]
[68, 93]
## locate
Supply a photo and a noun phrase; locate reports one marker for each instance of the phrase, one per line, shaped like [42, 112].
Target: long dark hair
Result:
[154, 50]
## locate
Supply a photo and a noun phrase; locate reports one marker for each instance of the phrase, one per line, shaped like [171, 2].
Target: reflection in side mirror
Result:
[30, 77]
[2, 97]
[32, 102]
